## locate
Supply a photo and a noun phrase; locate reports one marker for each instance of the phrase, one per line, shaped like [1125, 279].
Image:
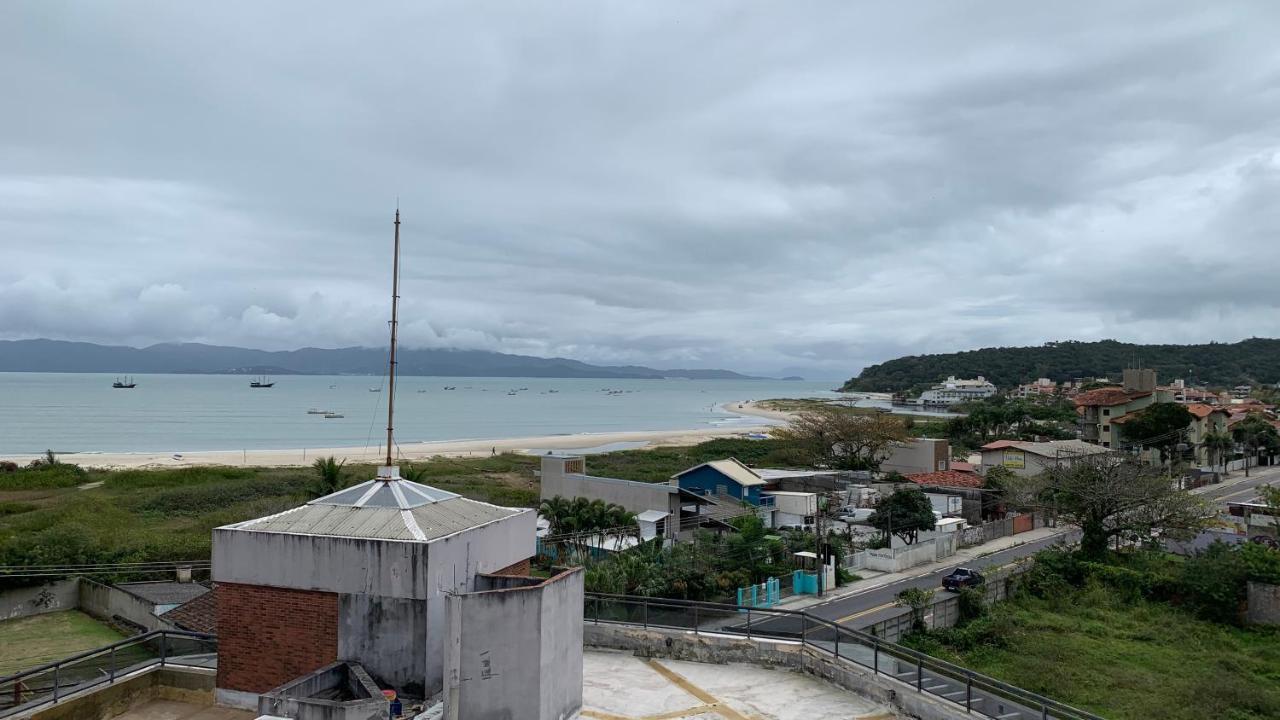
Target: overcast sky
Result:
[697, 184]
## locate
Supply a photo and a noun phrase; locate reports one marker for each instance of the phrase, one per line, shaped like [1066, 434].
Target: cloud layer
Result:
[754, 185]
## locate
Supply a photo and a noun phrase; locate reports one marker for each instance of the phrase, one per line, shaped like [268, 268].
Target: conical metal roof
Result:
[386, 493]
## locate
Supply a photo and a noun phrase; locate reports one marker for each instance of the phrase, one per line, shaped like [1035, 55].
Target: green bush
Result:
[200, 499]
[43, 477]
[972, 603]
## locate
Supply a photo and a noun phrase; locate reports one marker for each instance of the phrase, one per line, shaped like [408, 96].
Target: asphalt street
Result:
[869, 607]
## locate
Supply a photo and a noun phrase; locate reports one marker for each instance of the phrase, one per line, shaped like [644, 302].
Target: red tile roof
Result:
[1201, 410]
[962, 466]
[947, 478]
[1103, 397]
[1001, 444]
[199, 615]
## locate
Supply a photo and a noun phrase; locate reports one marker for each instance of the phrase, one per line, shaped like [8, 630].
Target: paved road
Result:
[1238, 490]
[866, 607]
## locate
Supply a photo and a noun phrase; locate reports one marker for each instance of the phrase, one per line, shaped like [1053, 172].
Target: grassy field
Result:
[142, 515]
[1129, 660]
[33, 641]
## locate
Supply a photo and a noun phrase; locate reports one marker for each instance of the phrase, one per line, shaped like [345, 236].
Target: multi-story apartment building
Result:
[952, 391]
[1098, 408]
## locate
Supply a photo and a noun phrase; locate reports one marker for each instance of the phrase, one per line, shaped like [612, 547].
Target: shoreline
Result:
[298, 457]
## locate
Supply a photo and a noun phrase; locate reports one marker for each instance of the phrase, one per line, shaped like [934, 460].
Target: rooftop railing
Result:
[975, 693]
[53, 681]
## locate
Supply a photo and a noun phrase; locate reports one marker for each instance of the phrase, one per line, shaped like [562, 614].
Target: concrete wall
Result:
[330, 564]
[296, 700]
[454, 563]
[193, 686]
[919, 455]
[50, 597]
[515, 653]
[107, 603]
[388, 636]
[1264, 604]
[635, 497]
[901, 558]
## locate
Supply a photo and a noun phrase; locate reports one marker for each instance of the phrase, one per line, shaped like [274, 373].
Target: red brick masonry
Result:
[268, 636]
[520, 569]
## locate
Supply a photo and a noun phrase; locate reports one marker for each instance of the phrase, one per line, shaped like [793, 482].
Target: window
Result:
[1106, 411]
[1106, 428]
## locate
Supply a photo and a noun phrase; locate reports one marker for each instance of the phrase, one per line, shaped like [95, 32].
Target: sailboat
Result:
[262, 382]
[127, 384]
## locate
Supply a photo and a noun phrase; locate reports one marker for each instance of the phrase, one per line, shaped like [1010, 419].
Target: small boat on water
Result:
[375, 389]
[262, 382]
[332, 415]
[315, 411]
[126, 384]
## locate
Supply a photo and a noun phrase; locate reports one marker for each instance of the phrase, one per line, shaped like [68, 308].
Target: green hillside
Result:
[1254, 361]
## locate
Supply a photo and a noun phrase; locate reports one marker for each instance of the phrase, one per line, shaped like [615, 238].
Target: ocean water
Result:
[176, 413]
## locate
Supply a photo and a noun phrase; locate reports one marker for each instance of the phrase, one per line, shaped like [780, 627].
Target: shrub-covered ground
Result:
[1137, 638]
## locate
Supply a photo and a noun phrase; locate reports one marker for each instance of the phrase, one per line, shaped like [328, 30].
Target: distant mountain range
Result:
[1252, 362]
[195, 358]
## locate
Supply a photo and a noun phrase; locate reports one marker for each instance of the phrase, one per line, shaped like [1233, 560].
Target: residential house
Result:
[723, 478]
[1029, 459]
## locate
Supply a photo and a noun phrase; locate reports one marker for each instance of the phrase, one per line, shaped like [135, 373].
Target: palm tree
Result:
[1218, 446]
[328, 475]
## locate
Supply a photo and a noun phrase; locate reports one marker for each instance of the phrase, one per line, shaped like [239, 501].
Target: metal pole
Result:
[56, 668]
[695, 619]
[113, 663]
[837, 640]
[1044, 711]
[395, 304]
[644, 612]
[875, 666]
[968, 693]
[164, 647]
[748, 622]
[919, 674]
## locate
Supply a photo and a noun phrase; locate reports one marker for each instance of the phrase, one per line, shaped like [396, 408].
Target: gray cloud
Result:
[754, 185]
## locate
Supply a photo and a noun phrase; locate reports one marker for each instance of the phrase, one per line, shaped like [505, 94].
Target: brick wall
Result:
[520, 569]
[268, 636]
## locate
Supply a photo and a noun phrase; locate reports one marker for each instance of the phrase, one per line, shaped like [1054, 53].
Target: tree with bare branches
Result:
[844, 440]
[1113, 496]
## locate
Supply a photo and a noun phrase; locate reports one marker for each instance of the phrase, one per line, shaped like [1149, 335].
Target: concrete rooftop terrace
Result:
[621, 686]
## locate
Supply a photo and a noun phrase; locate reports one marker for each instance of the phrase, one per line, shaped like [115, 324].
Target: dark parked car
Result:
[961, 578]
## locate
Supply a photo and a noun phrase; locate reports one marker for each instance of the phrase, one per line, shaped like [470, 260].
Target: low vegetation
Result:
[29, 642]
[63, 514]
[58, 513]
[1136, 636]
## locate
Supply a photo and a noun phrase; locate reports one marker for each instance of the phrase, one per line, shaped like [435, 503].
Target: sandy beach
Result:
[414, 451]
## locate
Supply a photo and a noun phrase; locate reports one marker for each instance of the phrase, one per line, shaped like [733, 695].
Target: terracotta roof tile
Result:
[198, 615]
[1107, 396]
[947, 478]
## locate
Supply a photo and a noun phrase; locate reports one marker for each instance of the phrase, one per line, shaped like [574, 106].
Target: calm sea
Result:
[175, 413]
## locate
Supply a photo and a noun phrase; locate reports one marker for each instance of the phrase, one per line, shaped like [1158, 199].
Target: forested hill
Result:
[1252, 361]
[60, 356]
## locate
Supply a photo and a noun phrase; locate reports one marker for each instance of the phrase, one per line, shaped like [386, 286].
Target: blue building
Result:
[724, 478]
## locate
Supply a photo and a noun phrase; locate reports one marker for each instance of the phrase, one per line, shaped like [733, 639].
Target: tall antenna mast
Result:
[395, 306]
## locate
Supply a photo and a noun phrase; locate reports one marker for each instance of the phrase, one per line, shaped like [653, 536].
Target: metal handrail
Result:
[809, 623]
[108, 676]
